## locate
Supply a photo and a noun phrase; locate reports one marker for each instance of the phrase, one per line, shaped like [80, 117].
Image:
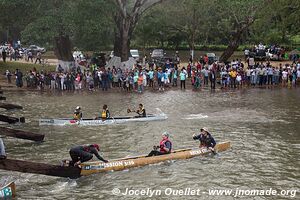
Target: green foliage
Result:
[12, 66]
[172, 24]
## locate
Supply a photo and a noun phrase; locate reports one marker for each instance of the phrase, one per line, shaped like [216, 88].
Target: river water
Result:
[262, 125]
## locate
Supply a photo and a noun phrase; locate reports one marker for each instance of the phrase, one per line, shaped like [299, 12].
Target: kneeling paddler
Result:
[84, 153]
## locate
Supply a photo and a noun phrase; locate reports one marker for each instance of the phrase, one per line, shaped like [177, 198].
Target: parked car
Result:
[135, 54]
[99, 59]
[212, 58]
[157, 53]
[161, 59]
[34, 49]
[78, 54]
[260, 54]
[4, 47]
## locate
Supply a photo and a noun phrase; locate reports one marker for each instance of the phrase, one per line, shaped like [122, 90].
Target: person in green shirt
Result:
[182, 76]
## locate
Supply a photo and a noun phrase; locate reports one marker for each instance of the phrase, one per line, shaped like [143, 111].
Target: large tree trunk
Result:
[63, 52]
[63, 48]
[236, 39]
[126, 22]
[122, 38]
[233, 45]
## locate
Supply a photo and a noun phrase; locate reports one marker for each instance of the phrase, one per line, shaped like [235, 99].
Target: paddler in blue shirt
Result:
[206, 139]
[77, 113]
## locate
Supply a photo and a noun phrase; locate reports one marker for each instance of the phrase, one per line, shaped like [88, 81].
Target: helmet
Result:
[96, 146]
[78, 108]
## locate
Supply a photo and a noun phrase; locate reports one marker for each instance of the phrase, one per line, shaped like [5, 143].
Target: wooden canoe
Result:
[39, 168]
[97, 166]
[21, 134]
[125, 163]
[9, 106]
[8, 191]
[11, 120]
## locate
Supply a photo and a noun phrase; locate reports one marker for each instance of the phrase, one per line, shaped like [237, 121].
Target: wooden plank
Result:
[39, 168]
[21, 134]
[9, 106]
[11, 120]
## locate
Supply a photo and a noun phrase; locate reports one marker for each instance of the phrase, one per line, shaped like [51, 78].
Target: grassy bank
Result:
[12, 66]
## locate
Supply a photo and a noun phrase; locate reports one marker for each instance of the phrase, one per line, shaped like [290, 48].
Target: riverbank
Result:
[26, 67]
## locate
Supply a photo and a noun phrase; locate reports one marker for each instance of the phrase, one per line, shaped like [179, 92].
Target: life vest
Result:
[77, 116]
[162, 145]
[104, 114]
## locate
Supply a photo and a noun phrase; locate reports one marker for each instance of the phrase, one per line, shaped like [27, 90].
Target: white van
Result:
[135, 54]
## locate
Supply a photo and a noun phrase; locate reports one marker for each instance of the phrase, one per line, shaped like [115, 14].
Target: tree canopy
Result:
[95, 24]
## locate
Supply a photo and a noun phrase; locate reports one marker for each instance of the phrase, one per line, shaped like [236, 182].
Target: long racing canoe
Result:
[98, 167]
[8, 191]
[96, 122]
[125, 163]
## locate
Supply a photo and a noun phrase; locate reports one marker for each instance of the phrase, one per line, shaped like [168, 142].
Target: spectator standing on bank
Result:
[38, 57]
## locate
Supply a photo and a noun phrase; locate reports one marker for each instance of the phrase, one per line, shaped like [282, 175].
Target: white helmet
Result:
[78, 108]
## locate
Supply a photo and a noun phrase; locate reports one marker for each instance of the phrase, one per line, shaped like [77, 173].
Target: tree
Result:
[126, 18]
[283, 22]
[63, 24]
[187, 18]
[238, 15]
[11, 25]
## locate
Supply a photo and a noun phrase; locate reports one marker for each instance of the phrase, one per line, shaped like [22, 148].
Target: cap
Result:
[166, 134]
[96, 146]
[78, 108]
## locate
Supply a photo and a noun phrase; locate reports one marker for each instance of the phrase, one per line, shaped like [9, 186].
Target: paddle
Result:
[130, 110]
[209, 148]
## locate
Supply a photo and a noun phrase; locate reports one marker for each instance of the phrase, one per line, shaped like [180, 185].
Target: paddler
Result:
[2, 150]
[206, 139]
[77, 113]
[165, 146]
[105, 113]
[84, 153]
[141, 111]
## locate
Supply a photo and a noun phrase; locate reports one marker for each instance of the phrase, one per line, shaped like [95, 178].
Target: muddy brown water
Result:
[262, 125]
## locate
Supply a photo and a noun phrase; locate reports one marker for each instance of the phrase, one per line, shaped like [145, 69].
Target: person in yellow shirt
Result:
[77, 113]
[233, 75]
[105, 113]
